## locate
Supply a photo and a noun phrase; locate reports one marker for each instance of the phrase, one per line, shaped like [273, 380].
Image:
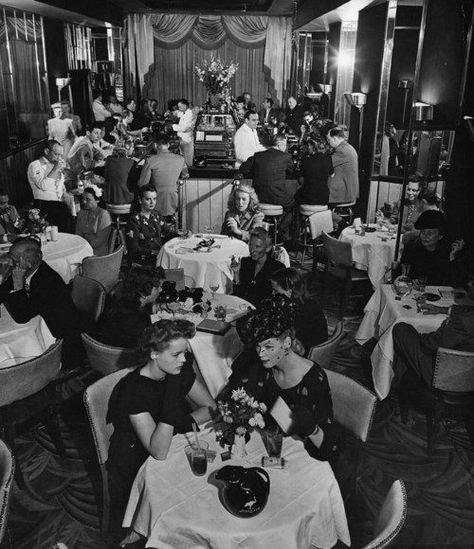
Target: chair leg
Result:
[52, 421]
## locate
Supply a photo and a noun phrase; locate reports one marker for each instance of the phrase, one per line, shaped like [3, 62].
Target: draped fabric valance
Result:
[208, 31]
[170, 32]
[21, 27]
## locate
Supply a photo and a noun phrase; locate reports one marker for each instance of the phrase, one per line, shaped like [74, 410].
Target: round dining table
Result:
[22, 342]
[170, 507]
[372, 252]
[65, 255]
[204, 267]
[213, 353]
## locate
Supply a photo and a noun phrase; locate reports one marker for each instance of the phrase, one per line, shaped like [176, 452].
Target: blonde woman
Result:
[243, 213]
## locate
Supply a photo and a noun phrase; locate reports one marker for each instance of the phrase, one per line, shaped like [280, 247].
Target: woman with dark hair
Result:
[149, 405]
[93, 222]
[256, 270]
[311, 327]
[145, 228]
[243, 214]
[124, 320]
[413, 206]
[315, 171]
[275, 370]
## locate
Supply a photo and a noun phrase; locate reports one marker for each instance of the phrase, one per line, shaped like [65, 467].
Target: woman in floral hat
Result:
[275, 370]
[93, 222]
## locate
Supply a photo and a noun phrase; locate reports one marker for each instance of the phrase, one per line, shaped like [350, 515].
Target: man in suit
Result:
[33, 288]
[344, 185]
[418, 351]
[294, 116]
[162, 171]
[268, 113]
[268, 171]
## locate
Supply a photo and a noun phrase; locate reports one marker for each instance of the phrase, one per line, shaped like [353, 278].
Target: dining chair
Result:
[88, 296]
[104, 268]
[340, 267]
[323, 353]
[21, 381]
[391, 517]
[7, 471]
[353, 404]
[451, 393]
[177, 276]
[96, 401]
[106, 359]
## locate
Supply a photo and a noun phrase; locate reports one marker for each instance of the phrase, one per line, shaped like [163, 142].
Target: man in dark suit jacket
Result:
[34, 288]
[268, 112]
[418, 351]
[268, 171]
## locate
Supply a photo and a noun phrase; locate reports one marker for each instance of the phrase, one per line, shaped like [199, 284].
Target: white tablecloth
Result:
[370, 253]
[381, 313]
[214, 354]
[66, 254]
[172, 508]
[20, 342]
[203, 269]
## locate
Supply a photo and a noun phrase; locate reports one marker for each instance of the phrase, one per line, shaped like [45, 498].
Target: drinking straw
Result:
[196, 436]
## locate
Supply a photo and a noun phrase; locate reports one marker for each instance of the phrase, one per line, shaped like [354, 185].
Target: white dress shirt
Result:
[246, 144]
[185, 126]
[100, 112]
[43, 186]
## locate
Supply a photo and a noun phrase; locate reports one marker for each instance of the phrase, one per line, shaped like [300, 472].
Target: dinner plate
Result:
[431, 297]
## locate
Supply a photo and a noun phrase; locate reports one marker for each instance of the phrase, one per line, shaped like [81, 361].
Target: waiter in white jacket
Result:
[185, 130]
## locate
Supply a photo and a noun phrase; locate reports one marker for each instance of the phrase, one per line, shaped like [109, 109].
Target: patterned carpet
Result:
[59, 503]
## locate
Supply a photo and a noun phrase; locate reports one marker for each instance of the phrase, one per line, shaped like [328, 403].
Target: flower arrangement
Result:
[31, 221]
[216, 75]
[238, 415]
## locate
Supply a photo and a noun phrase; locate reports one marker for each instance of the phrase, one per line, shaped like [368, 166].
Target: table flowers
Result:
[31, 221]
[215, 74]
[239, 414]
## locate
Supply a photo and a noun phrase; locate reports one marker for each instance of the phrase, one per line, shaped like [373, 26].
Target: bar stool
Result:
[273, 212]
[345, 211]
[305, 238]
[119, 213]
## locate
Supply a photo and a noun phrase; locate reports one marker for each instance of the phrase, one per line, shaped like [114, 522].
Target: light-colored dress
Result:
[62, 131]
[95, 226]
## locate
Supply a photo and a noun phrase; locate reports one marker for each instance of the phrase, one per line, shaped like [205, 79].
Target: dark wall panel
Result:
[443, 59]
[367, 71]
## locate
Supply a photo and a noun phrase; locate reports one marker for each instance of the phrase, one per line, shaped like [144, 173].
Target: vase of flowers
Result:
[239, 414]
[215, 74]
[32, 222]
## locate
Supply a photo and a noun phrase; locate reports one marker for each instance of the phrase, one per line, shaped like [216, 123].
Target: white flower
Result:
[239, 394]
[263, 407]
[259, 420]
[252, 422]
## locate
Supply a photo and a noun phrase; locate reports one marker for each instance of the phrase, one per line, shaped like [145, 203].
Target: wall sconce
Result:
[60, 84]
[356, 99]
[423, 112]
[326, 88]
[405, 86]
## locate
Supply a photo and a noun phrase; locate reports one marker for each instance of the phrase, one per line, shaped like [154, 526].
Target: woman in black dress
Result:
[311, 327]
[149, 405]
[256, 270]
[275, 370]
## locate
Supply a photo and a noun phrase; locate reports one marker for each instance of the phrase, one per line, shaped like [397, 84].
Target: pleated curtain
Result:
[163, 50]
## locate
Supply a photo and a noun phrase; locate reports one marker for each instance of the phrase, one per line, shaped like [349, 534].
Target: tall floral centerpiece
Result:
[239, 414]
[216, 75]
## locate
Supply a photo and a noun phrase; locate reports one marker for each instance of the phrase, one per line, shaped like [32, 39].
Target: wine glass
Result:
[214, 289]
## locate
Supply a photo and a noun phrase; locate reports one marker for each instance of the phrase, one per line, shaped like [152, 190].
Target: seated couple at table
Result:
[149, 405]
[31, 287]
[146, 231]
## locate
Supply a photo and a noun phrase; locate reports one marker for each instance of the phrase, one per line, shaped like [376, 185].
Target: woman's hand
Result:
[232, 224]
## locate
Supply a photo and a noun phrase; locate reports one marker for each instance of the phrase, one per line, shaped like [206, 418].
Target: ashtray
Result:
[370, 229]
[431, 297]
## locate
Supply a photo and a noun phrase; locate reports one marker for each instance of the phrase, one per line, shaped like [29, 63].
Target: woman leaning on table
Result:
[275, 370]
[243, 213]
[148, 406]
